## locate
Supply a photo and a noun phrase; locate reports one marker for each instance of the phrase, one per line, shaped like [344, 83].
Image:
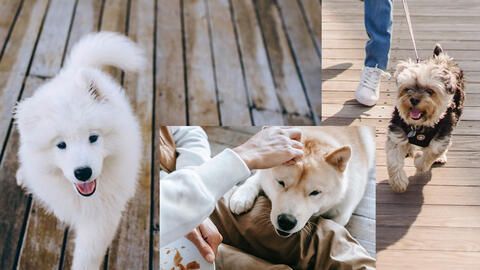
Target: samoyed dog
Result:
[330, 180]
[80, 143]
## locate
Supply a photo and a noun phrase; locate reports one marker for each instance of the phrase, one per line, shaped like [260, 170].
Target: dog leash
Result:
[409, 22]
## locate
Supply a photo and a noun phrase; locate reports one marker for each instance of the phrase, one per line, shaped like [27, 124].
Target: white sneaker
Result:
[368, 91]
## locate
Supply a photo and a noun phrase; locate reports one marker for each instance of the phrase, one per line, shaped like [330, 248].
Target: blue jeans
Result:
[378, 23]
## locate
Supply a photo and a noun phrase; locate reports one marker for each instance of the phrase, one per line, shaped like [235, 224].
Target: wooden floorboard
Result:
[434, 224]
[35, 37]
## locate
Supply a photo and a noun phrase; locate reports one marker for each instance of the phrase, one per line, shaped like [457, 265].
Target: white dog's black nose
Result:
[414, 101]
[83, 174]
[286, 222]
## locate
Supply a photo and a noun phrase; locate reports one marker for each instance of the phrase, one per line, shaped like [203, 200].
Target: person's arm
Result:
[191, 145]
[188, 196]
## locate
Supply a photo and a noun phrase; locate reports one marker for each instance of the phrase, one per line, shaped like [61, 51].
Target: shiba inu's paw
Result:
[399, 182]
[242, 200]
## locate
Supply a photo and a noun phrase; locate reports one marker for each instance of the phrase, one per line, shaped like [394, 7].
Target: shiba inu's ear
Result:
[339, 158]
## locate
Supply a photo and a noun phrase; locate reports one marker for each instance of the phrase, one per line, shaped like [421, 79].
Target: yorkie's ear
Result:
[401, 66]
[437, 50]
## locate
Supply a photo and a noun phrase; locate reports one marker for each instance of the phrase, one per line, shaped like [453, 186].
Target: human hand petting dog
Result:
[206, 238]
[270, 147]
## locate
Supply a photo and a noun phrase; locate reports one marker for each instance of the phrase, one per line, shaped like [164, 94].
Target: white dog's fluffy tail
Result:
[106, 49]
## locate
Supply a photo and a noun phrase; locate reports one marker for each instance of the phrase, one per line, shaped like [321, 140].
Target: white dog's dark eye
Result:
[61, 145]
[93, 138]
[314, 193]
[281, 183]
[429, 91]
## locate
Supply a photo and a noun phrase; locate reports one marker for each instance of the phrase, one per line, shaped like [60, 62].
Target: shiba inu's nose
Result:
[83, 174]
[286, 222]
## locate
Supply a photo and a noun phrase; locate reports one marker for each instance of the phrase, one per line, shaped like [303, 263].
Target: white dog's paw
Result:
[19, 177]
[242, 200]
[399, 182]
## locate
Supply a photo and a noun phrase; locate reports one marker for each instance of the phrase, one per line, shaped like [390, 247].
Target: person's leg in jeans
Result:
[378, 23]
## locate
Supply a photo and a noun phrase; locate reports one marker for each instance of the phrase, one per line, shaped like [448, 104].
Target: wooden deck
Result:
[362, 223]
[35, 36]
[239, 62]
[436, 223]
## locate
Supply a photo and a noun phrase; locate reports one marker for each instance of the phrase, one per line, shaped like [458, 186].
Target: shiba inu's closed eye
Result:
[281, 183]
[314, 193]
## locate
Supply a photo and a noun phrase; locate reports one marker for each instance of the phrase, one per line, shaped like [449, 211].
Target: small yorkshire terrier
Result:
[428, 107]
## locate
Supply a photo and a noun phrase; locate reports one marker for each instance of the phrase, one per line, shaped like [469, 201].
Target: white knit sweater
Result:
[188, 195]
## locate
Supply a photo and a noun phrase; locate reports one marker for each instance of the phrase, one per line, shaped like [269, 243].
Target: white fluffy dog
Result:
[80, 144]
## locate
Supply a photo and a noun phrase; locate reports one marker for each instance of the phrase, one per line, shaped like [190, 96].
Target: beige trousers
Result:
[325, 245]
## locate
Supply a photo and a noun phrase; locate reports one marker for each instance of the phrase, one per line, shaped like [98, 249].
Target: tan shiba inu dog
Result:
[329, 180]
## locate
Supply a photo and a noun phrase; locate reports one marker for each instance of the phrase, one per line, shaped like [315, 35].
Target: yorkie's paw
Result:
[442, 160]
[399, 182]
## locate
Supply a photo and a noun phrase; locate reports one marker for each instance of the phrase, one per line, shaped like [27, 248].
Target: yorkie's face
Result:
[425, 90]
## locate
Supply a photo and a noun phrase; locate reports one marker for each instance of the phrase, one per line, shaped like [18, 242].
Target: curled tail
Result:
[101, 49]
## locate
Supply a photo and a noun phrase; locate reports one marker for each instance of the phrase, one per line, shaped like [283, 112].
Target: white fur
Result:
[342, 191]
[64, 109]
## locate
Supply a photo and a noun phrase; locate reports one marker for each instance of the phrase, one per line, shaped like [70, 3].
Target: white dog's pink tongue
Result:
[415, 113]
[86, 188]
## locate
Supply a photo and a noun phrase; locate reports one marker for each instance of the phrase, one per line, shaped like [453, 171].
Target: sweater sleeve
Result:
[188, 196]
[191, 145]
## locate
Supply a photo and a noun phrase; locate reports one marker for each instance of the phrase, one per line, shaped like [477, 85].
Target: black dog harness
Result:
[421, 136]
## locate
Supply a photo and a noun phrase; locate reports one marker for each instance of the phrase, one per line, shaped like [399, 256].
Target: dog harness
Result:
[421, 136]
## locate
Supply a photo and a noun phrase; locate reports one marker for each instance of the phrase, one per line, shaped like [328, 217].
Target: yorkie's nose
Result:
[414, 101]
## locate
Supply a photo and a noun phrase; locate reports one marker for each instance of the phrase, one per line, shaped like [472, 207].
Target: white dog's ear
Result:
[86, 80]
[339, 158]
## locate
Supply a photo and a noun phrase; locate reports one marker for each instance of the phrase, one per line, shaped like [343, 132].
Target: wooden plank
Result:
[429, 260]
[86, 20]
[455, 159]
[51, 46]
[313, 13]
[266, 107]
[170, 84]
[424, 238]
[451, 216]
[288, 85]
[131, 248]
[461, 143]
[13, 65]
[43, 240]
[15, 61]
[438, 195]
[114, 18]
[308, 60]
[232, 95]
[202, 100]
[441, 176]
[7, 19]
